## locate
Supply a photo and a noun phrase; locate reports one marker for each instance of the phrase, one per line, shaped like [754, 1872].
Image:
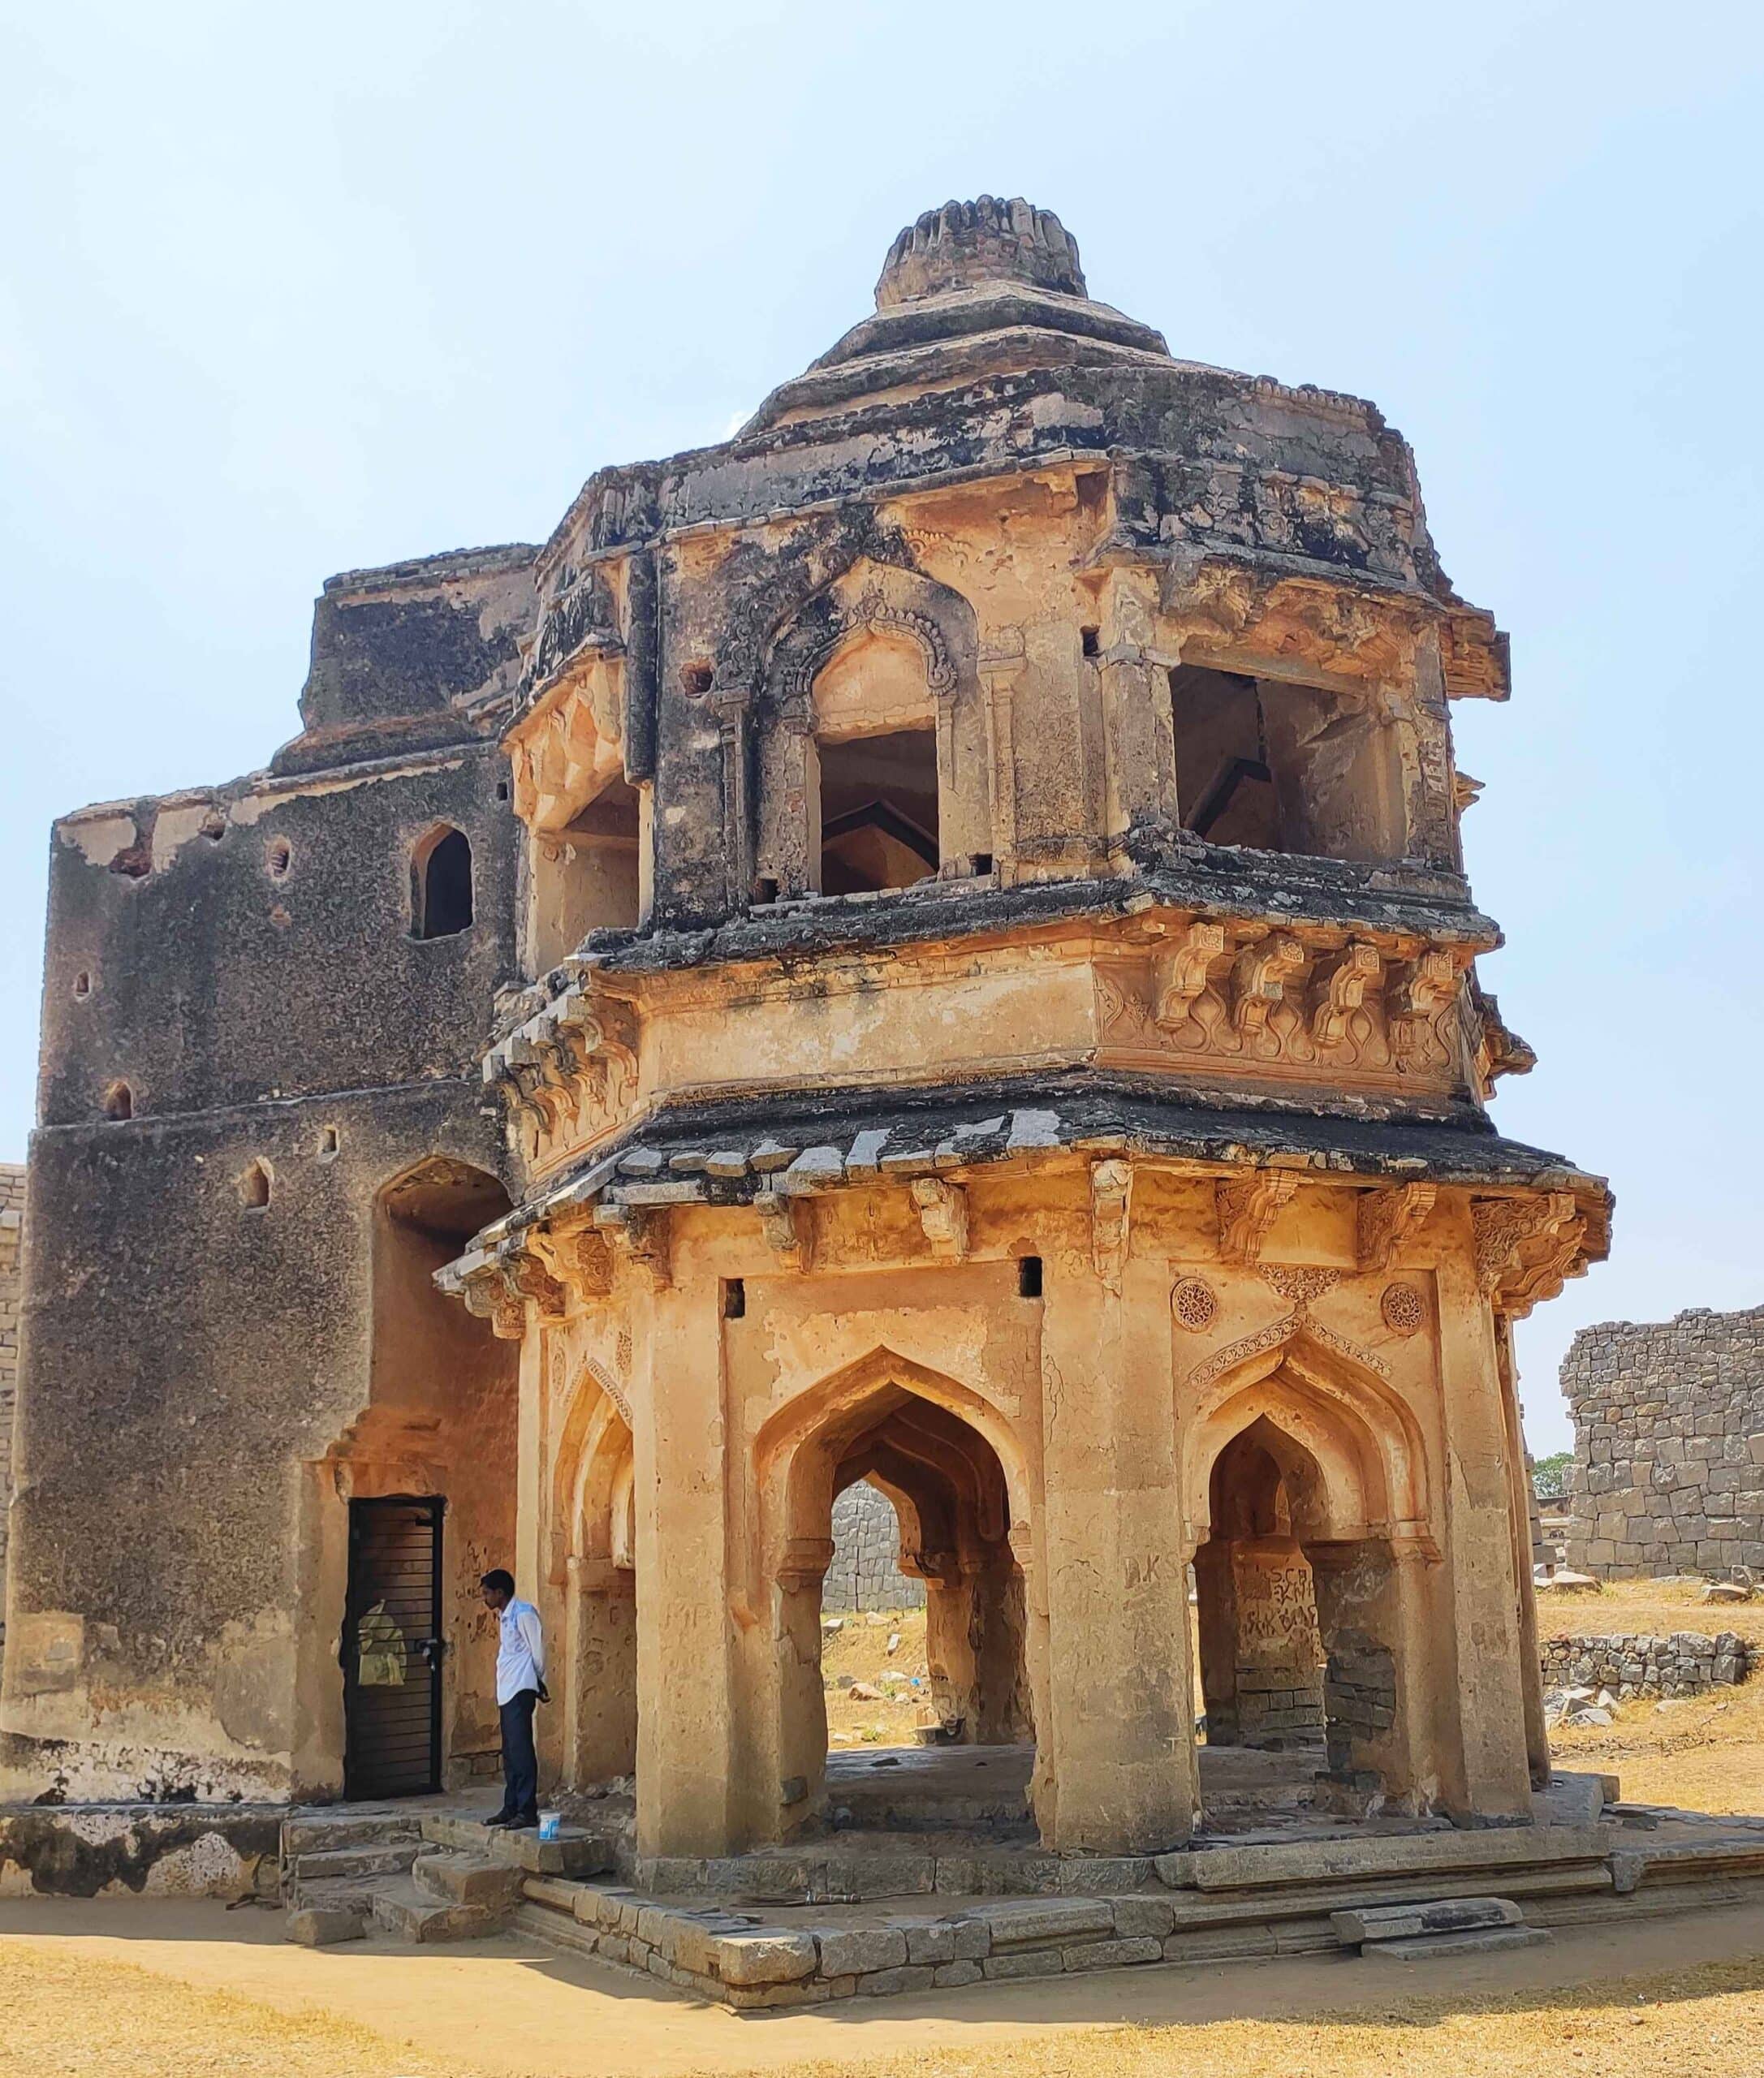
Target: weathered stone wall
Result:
[1668, 1470]
[865, 1573]
[11, 1236]
[1686, 1663]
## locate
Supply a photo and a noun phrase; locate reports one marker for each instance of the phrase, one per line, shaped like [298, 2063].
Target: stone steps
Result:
[390, 1859]
[454, 1878]
[408, 1913]
[575, 1851]
[316, 1832]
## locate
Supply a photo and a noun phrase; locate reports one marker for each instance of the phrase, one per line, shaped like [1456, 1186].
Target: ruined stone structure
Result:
[926, 943]
[1668, 1470]
[11, 1273]
[864, 1572]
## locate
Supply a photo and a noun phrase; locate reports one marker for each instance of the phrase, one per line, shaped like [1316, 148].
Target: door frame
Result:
[349, 1647]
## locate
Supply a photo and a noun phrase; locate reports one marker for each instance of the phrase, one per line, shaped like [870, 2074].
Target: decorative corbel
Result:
[788, 1226]
[1111, 1195]
[1417, 989]
[638, 1235]
[583, 1259]
[1259, 976]
[1386, 1219]
[944, 1214]
[1179, 975]
[491, 1294]
[1526, 1249]
[1246, 1208]
[1339, 985]
[530, 1277]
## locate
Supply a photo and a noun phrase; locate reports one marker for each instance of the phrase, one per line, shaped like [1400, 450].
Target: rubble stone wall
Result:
[1685, 1664]
[865, 1572]
[1668, 1470]
[11, 1297]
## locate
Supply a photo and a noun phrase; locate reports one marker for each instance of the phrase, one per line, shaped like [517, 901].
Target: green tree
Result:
[1549, 1476]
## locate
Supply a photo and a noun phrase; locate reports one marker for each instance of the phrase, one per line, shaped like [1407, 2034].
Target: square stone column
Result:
[1116, 1770]
[1485, 1771]
[686, 1705]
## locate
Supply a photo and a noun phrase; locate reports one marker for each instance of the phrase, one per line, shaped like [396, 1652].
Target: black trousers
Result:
[520, 1761]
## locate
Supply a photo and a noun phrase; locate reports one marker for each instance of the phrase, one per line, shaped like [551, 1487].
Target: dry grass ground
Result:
[1704, 1752]
[860, 1648]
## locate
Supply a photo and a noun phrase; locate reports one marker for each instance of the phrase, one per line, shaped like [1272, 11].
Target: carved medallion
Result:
[1404, 1309]
[1193, 1305]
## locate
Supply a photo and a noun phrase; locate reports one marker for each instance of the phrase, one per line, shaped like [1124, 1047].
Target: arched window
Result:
[440, 884]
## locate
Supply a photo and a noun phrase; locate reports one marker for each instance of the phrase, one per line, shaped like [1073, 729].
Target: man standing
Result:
[520, 1685]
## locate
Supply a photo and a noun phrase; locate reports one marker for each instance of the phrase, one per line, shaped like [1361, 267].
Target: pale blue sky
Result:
[283, 292]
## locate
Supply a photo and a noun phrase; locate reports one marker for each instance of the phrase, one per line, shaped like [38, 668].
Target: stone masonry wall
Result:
[11, 1293]
[1668, 1470]
[1686, 1663]
[864, 1573]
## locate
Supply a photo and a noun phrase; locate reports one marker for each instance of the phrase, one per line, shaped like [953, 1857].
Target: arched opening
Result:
[118, 1100]
[1279, 767]
[586, 873]
[951, 1496]
[440, 884]
[254, 1185]
[876, 743]
[1308, 1614]
[595, 1559]
[427, 1475]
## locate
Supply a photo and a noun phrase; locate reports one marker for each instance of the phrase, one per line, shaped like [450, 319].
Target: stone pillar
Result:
[790, 804]
[1001, 665]
[1382, 1670]
[1486, 1770]
[1522, 1516]
[686, 1736]
[1117, 1744]
[1140, 758]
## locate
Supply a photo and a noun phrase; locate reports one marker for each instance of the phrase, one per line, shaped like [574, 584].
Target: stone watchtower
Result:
[956, 895]
[1005, 1026]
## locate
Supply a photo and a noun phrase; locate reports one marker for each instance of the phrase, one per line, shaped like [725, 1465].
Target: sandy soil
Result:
[192, 1991]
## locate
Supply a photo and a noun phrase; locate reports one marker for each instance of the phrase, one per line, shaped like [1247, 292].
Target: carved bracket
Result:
[1526, 1249]
[788, 1225]
[1386, 1219]
[1247, 1206]
[1339, 986]
[1179, 974]
[1111, 1194]
[639, 1234]
[944, 1214]
[1417, 989]
[1259, 977]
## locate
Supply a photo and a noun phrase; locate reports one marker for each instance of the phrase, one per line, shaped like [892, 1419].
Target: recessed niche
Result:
[82, 986]
[118, 1100]
[254, 1185]
[329, 1140]
[278, 856]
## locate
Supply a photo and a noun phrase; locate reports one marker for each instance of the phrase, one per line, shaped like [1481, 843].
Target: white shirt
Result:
[521, 1657]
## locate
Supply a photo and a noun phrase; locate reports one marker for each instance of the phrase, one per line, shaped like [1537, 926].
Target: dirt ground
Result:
[160, 1990]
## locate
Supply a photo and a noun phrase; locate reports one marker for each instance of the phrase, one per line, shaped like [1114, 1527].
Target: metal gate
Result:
[392, 1649]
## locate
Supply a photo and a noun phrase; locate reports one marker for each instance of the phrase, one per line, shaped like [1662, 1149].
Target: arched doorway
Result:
[924, 1443]
[594, 1559]
[412, 1503]
[1310, 1580]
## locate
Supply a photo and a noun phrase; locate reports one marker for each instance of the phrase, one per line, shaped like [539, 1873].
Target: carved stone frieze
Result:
[1298, 1283]
[1247, 1208]
[1387, 1218]
[870, 610]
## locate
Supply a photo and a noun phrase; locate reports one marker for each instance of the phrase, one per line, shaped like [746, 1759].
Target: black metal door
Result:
[392, 1648]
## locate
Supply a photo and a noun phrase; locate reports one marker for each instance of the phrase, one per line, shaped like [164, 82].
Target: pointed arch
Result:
[918, 704]
[593, 1444]
[1351, 1422]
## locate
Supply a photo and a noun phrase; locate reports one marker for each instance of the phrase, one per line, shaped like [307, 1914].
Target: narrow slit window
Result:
[440, 886]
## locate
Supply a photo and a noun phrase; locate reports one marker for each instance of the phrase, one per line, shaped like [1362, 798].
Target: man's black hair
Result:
[500, 1581]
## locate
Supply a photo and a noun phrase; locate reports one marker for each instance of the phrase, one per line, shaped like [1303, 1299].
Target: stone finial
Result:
[965, 244]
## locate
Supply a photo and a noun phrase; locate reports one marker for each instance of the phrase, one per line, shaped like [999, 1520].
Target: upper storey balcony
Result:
[1008, 696]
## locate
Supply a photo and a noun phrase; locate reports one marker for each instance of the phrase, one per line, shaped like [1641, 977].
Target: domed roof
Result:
[974, 289]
